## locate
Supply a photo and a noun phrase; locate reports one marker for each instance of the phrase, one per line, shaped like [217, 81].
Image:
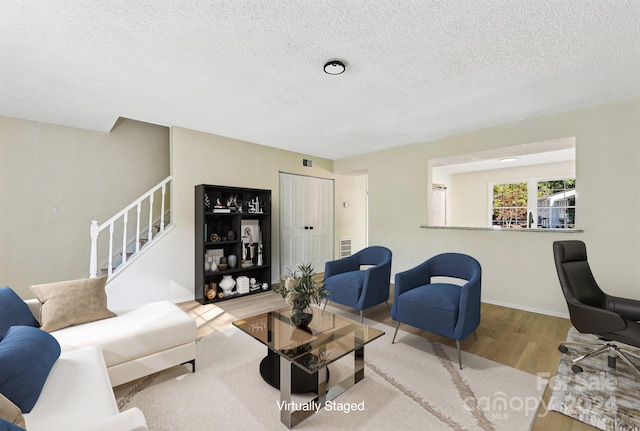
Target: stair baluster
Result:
[125, 218]
[150, 231]
[139, 210]
[135, 242]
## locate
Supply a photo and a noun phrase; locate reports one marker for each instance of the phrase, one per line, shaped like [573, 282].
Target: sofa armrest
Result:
[128, 420]
[34, 306]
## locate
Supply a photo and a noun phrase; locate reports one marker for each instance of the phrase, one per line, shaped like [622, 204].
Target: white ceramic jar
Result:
[227, 284]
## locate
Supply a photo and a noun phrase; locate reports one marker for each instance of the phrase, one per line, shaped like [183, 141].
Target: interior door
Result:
[294, 238]
[320, 222]
[306, 222]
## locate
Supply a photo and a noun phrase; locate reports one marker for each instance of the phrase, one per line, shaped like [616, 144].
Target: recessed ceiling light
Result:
[508, 159]
[334, 67]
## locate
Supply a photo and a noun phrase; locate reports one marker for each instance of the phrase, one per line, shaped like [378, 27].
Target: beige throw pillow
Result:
[73, 302]
[10, 412]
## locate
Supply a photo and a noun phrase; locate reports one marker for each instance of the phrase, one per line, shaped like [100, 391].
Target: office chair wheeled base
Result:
[613, 353]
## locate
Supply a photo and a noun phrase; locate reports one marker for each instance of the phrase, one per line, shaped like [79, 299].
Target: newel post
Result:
[93, 256]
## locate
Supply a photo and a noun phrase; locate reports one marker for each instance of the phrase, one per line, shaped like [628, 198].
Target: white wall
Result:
[87, 175]
[167, 270]
[518, 267]
[350, 221]
[469, 195]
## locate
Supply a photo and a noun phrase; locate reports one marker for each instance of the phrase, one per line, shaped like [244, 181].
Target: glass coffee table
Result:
[297, 359]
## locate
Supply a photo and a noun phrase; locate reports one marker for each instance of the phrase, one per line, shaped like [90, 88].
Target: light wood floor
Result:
[523, 340]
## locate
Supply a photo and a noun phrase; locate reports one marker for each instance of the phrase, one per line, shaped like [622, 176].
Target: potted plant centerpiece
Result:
[300, 290]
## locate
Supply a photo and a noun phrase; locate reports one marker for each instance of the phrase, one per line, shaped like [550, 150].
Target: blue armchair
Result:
[352, 286]
[443, 308]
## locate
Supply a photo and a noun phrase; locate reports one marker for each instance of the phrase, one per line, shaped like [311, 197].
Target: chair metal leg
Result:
[459, 354]
[475, 335]
[620, 355]
[388, 308]
[395, 333]
[361, 317]
[602, 349]
[325, 304]
[576, 343]
[626, 352]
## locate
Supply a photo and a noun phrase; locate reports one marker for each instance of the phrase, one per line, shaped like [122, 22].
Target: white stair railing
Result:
[120, 221]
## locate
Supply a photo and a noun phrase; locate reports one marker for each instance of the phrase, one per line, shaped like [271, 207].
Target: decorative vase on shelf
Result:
[227, 284]
[209, 264]
[233, 261]
[301, 316]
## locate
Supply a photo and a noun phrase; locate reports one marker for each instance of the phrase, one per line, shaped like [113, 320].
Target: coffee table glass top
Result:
[327, 338]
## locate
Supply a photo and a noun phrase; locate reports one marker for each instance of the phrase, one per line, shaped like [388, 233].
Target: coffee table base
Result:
[330, 338]
[291, 417]
[301, 381]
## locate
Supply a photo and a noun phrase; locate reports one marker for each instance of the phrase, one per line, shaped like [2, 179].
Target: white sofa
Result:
[99, 355]
[77, 396]
[138, 342]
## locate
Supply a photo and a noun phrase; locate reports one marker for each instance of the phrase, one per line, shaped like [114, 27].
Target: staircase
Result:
[123, 241]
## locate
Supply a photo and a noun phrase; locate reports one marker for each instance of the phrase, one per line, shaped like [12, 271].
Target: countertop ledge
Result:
[503, 230]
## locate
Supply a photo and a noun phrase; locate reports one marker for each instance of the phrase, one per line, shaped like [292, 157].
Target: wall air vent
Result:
[345, 247]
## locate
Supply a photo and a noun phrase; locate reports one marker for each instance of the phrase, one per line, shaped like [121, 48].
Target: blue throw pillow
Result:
[8, 426]
[14, 311]
[26, 357]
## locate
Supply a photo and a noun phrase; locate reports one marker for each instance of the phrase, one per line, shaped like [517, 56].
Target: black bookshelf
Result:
[231, 221]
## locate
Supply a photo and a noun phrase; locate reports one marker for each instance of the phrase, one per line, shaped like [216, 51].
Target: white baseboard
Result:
[183, 299]
[531, 309]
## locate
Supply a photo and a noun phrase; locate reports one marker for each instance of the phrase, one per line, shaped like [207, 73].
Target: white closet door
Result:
[294, 238]
[320, 222]
[306, 222]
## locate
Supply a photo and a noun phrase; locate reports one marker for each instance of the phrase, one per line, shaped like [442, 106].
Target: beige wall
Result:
[88, 175]
[43, 164]
[167, 270]
[469, 193]
[350, 222]
[518, 266]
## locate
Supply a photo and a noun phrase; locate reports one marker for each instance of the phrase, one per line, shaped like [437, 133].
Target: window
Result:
[510, 206]
[469, 179]
[557, 204]
[546, 204]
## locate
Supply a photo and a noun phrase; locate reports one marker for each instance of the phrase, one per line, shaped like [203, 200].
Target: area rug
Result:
[414, 384]
[600, 396]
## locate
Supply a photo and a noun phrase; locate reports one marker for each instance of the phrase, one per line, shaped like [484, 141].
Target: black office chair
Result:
[594, 312]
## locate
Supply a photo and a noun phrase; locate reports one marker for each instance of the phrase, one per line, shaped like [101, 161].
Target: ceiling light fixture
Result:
[334, 67]
[508, 159]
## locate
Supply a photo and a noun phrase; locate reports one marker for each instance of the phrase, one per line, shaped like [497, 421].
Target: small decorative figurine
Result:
[254, 206]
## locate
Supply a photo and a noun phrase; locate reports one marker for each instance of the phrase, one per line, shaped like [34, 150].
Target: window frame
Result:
[532, 196]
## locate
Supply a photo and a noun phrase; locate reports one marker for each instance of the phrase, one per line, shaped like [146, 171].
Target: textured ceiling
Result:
[252, 69]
